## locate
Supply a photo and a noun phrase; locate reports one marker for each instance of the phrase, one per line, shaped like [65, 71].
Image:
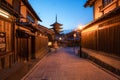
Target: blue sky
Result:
[71, 13]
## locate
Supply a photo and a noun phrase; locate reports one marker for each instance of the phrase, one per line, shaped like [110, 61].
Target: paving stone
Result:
[64, 65]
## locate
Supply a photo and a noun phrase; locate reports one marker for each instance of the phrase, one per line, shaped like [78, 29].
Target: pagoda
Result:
[57, 27]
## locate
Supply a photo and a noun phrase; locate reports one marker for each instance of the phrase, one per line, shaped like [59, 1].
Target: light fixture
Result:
[4, 13]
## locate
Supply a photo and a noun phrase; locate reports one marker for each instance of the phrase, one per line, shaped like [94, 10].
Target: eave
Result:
[56, 23]
[4, 5]
[110, 14]
[89, 3]
[45, 29]
[31, 9]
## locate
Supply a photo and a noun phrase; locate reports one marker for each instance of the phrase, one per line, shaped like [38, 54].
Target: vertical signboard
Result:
[2, 42]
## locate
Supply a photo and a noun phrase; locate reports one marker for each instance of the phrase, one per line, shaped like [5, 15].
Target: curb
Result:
[36, 65]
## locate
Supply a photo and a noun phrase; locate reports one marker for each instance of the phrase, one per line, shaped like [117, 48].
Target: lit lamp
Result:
[4, 13]
[60, 39]
[79, 31]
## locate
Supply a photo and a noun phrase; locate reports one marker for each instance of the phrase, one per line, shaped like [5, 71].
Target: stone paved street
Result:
[64, 65]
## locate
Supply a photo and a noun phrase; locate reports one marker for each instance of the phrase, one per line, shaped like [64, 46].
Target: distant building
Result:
[103, 33]
[49, 33]
[71, 39]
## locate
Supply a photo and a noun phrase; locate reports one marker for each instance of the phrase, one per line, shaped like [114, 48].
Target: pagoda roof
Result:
[56, 24]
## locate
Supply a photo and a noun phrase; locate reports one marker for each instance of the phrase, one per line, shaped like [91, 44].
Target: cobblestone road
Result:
[64, 65]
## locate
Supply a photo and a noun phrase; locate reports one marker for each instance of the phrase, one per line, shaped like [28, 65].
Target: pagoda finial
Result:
[56, 17]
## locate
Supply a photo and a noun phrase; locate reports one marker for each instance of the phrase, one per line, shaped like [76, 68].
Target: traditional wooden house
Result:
[20, 35]
[49, 34]
[71, 39]
[103, 33]
[7, 34]
[26, 31]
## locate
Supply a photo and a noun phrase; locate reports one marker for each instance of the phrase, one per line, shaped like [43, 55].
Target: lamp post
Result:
[80, 44]
[79, 31]
[74, 35]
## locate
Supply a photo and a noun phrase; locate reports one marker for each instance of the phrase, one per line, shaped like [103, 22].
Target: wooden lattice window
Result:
[106, 2]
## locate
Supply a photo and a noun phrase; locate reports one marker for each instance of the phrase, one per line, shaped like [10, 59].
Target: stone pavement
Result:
[64, 65]
[19, 69]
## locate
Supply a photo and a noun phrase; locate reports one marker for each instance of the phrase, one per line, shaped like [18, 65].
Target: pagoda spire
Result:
[56, 17]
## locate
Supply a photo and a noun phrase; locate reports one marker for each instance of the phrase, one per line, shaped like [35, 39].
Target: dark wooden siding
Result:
[106, 38]
[41, 45]
[89, 40]
[109, 40]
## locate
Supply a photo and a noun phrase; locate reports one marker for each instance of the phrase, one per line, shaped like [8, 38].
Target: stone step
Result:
[108, 62]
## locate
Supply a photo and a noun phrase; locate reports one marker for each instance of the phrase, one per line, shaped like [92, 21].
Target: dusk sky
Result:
[71, 13]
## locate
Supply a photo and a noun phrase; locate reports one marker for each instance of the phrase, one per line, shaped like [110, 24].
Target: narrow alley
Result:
[65, 65]
[59, 39]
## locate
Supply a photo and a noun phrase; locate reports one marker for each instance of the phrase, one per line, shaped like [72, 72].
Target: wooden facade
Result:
[7, 48]
[20, 35]
[103, 34]
[49, 33]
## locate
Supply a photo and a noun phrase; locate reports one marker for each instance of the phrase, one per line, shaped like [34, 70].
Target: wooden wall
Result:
[89, 40]
[106, 38]
[109, 40]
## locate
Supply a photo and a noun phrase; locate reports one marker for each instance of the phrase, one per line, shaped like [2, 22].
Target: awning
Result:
[30, 33]
[24, 34]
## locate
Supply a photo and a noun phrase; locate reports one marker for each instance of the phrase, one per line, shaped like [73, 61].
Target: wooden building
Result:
[103, 33]
[7, 34]
[26, 31]
[49, 32]
[72, 39]
[45, 35]
[20, 35]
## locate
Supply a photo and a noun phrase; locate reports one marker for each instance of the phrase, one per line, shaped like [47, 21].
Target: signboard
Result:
[2, 42]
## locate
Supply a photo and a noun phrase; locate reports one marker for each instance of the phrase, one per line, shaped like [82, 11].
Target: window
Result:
[106, 2]
[16, 5]
[30, 18]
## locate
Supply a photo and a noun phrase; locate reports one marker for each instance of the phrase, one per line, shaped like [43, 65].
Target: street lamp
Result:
[79, 31]
[74, 35]
[60, 38]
